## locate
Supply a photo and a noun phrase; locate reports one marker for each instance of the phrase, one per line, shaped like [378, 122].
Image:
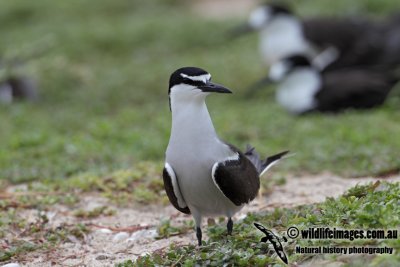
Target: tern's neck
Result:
[190, 119]
[283, 36]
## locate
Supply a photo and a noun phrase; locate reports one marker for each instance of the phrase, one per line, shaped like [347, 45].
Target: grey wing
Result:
[237, 178]
[173, 191]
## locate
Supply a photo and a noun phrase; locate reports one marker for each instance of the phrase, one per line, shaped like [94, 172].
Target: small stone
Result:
[50, 215]
[101, 257]
[242, 216]
[120, 236]
[11, 265]
[142, 235]
[104, 231]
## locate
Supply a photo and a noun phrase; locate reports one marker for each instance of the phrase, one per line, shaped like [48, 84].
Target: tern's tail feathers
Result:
[263, 165]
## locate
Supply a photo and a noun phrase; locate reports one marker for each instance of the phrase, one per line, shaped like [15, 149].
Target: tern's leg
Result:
[229, 226]
[199, 235]
[197, 220]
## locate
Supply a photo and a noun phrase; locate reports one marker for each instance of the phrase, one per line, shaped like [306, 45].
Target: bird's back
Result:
[341, 33]
[358, 41]
[354, 88]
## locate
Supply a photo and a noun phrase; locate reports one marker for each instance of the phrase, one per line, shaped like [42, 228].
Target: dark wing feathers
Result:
[358, 40]
[260, 165]
[353, 88]
[271, 159]
[347, 31]
[170, 192]
[254, 157]
[237, 179]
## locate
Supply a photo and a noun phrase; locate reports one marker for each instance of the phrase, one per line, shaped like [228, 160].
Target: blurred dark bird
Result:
[18, 88]
[388, 42]
[203, 175]
[303, 88]
[328, 42]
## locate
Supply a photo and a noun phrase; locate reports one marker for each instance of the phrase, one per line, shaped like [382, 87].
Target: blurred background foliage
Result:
[103, 71]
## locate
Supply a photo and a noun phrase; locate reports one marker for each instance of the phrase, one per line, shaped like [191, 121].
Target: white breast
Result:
[192, 151]
[193, 166]
[296, 92]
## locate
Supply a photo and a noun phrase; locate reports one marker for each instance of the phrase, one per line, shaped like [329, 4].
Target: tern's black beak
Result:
[240, 31]
[214, 88]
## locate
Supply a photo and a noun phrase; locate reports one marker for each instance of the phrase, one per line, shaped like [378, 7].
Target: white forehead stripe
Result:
[201, 78]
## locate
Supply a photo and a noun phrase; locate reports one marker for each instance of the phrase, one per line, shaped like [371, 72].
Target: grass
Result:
[378, 209]
[102, 123]
[104, 106]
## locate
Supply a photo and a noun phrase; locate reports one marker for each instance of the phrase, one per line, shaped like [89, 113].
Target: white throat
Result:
[296, 92]
[282, 37]
[191, 122]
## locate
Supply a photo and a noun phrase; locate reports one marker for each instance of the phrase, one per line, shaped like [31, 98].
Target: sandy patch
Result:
[103, 247]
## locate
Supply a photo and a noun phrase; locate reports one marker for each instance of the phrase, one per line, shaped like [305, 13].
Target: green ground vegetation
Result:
[103, 82]
[102, 122]
[356, 209]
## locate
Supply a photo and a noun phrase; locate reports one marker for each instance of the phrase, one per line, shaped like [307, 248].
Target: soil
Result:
[113, 239]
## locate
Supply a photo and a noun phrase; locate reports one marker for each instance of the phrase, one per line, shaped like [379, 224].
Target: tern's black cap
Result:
[182, 75]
